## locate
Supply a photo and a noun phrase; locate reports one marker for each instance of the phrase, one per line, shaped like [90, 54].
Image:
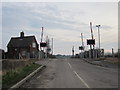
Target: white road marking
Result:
[79, 76]
[82, 80]
[38, 76]
[69, 65]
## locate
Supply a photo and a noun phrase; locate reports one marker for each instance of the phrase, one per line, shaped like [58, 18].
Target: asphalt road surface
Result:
[73, 73]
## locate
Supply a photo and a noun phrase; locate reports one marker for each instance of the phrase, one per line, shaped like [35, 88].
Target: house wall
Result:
[15, 52]
[12, 52]
[22, 52]
[34, 52]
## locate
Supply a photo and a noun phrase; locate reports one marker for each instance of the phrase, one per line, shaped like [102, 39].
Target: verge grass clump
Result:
[12, 77]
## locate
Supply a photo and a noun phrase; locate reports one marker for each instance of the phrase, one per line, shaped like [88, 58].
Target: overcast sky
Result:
[62, 21]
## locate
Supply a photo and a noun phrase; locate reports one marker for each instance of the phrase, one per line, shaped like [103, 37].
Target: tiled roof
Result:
[21, 41]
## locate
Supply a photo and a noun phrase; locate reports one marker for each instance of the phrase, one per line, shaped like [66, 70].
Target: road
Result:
[73, 73]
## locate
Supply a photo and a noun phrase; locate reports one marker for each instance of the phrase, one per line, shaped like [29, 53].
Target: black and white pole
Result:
[52, 46]
[98, 26]
[82, 39]
[92, 51]
[73, 51]
[82, 51]
[112, 52]
[41, 38]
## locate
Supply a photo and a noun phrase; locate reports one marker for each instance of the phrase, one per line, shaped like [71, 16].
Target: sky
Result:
[62, 21]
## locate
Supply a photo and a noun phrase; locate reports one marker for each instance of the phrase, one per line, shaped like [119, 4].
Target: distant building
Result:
[22, 47]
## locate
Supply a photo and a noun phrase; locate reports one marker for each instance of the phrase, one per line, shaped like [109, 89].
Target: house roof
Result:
[21, 41]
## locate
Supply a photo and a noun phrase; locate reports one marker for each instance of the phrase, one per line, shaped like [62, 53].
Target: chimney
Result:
[21, 34]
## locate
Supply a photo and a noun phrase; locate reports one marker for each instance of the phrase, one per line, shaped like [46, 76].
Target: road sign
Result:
[81, 48]
[43, 44]
[90, 41]
[49, 49]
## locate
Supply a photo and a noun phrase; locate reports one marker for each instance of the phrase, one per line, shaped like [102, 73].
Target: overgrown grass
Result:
[13, 77]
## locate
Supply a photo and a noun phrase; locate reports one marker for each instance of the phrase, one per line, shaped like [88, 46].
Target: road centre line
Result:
[69, 65]
[79, 76]
[82, 80]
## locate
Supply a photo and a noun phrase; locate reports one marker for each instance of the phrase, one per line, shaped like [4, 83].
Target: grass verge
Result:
[12, 77]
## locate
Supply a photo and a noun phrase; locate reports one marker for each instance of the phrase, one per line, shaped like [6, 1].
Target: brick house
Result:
[22, 47]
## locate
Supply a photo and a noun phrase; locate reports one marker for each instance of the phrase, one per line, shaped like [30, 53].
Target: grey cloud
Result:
[15, 16]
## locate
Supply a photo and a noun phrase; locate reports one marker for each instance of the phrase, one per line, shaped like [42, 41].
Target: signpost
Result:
[81, 48]
[90, 41]
[43, 44]
[82, 53]
[92, 50]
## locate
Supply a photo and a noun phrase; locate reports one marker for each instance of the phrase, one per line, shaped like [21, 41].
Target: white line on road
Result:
[79, 76]
[69, 65]
[82, 80]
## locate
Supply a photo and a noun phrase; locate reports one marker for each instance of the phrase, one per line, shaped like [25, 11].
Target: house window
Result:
[34, 45]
